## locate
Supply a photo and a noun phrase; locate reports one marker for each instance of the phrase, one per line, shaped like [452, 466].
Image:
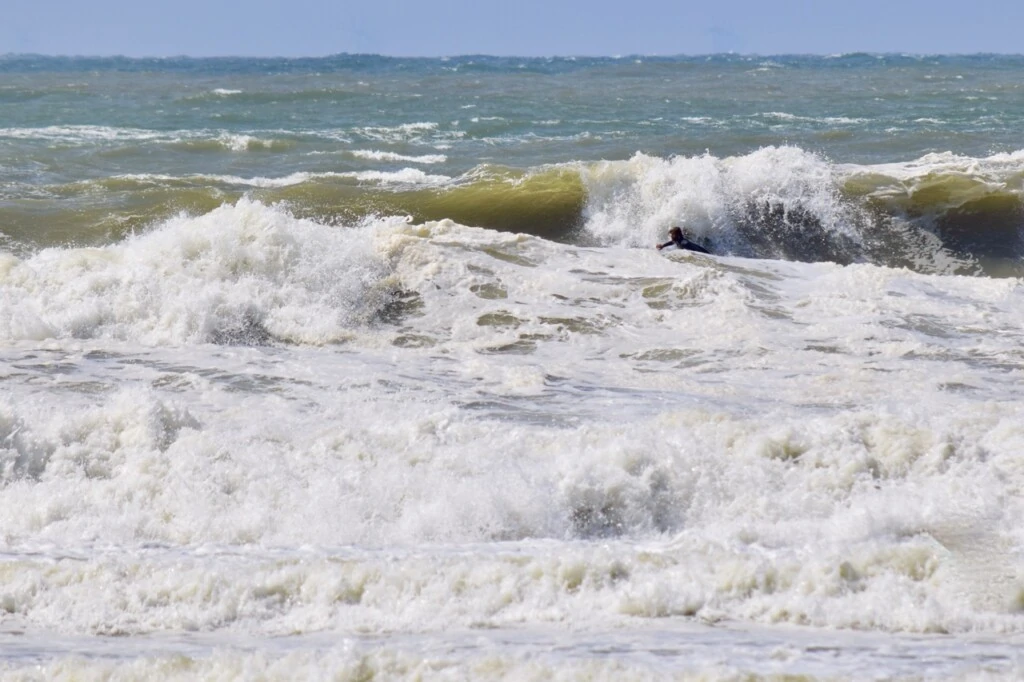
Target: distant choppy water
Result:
[364, 368]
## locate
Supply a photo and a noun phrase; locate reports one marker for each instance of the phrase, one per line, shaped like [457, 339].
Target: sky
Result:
[310, 28]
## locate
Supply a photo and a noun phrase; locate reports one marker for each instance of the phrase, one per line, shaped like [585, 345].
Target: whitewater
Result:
[360, 368]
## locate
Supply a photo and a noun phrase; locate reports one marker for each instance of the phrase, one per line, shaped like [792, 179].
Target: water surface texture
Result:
[367, 368]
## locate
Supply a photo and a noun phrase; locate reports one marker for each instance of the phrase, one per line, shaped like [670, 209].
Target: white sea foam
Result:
[831, 120]
[423, 133]
[245, 445]
[450, 428]
[780, 442]
[405, 176]
[240, 270]
[674, 651]
[634, 202]
[401, 133]
[241, 143]
[80, 133]
[1003, 168]
[374, 155]
[86, 135]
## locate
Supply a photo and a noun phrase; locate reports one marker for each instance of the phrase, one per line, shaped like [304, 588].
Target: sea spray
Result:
[246, 273]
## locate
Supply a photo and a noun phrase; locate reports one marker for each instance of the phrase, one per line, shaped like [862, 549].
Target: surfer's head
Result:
[676, 233]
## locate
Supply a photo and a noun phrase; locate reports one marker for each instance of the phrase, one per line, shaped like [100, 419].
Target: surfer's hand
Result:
[658, 247]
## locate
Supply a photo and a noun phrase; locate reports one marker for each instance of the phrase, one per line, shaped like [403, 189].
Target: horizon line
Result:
[467, 55]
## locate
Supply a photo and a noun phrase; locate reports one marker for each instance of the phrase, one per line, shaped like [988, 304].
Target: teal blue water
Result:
[523, 112]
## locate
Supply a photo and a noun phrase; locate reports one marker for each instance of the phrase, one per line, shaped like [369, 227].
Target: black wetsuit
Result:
[684, 243]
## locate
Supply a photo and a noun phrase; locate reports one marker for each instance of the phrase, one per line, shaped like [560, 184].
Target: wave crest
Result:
[940, 214]
[246, 273]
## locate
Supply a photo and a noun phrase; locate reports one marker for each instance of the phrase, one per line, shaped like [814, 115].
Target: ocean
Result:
[365, 368]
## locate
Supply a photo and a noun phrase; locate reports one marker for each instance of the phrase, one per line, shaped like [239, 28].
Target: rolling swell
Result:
[545, 202]
[940, 214]
[974, 208]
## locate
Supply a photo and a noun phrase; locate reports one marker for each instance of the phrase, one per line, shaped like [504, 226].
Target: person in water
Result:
[682, 241]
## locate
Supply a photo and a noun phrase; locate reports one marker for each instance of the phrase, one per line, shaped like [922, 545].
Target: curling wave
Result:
[939, 214]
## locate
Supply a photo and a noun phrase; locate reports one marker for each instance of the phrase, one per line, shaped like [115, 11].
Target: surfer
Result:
[682, 241]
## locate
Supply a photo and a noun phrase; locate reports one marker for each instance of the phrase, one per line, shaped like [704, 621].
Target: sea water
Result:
[367, 368]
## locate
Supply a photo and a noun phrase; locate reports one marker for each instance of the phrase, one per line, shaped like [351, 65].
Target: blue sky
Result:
[520, 27]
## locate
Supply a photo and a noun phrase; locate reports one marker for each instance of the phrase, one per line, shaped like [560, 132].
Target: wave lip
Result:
[941, 213]
[777, 202]
[973, 207]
